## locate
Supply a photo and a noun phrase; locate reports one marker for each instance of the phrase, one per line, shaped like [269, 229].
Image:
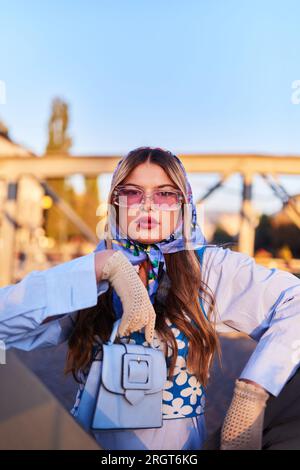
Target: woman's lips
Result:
[147, 222]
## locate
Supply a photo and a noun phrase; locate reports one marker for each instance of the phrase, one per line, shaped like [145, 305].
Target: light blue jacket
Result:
[263, 303]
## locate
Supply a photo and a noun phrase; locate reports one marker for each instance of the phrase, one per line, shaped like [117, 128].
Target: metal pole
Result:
[247, 226]
[9, 227]
[69, 213]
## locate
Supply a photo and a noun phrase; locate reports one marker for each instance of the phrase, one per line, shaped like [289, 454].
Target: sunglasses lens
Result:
[129, 197]
[166, 199]
[161, 200]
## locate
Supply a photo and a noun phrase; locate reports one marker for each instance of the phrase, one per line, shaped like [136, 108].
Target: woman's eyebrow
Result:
[160, 186]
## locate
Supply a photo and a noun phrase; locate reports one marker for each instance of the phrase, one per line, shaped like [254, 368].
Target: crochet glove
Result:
[138, 311]
[243, 425]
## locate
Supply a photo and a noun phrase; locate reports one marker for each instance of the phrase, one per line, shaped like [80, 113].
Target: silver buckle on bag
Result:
[137, 371]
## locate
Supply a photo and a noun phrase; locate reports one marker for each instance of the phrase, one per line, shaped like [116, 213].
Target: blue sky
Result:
[192, 76]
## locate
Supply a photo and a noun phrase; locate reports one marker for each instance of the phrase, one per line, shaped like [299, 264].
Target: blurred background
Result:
[82, 83]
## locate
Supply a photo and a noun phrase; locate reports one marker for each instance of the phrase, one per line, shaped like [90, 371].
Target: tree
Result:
[220, 236]
[264, 235]
[57, 226]
[58, 139]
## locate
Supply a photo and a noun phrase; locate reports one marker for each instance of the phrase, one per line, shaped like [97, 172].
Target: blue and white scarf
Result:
[137, 252]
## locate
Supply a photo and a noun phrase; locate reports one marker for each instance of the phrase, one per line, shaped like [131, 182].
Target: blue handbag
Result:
[124, 389]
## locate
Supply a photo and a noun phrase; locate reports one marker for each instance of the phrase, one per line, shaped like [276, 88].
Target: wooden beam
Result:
[62, 166]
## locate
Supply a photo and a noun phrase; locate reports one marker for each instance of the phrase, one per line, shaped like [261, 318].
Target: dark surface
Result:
[31, 417]
[235, 354]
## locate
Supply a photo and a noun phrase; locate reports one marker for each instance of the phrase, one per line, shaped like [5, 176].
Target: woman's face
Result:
[135, 221]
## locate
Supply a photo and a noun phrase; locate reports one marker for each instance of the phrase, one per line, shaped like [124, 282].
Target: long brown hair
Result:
[182, 304]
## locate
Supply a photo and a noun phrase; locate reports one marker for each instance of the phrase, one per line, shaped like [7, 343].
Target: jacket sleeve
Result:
[56, 292]
[263, 303]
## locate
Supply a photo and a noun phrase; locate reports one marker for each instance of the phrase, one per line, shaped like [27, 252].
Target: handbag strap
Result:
[114, 332]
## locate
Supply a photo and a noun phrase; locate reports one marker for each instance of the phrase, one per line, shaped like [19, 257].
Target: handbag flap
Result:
[130, 367]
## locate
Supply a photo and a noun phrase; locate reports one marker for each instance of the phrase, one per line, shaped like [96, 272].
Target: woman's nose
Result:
[146, 205]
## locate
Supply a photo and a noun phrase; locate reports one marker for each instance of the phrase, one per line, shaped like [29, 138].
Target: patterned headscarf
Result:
[137, 252]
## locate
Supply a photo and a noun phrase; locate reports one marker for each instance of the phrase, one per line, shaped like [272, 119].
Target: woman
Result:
[156, 241]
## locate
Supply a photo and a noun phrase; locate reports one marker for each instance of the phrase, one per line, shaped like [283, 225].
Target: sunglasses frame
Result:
[145, 196]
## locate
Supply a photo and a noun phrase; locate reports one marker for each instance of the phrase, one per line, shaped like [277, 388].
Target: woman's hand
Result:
[100, 259]
[243, 424]
[138, 311]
